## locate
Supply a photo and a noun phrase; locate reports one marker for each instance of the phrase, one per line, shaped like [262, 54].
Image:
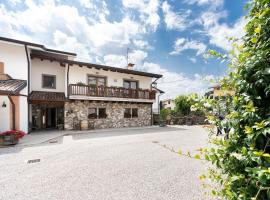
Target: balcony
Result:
[110, 93]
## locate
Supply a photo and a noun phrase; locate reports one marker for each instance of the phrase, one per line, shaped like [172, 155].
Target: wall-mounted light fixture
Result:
[4, 104]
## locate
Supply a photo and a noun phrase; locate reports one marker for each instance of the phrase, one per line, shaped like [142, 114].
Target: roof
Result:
[36, 45]
[12, 86]
[97, 66]
[47, 96]
[160, 91]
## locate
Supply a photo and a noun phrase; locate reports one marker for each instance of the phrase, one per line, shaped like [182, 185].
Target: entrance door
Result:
[50, 117]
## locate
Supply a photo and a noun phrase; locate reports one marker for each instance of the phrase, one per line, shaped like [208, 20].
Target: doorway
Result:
[47, 117]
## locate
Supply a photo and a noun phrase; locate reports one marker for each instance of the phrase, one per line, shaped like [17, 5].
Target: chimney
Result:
[130, 66]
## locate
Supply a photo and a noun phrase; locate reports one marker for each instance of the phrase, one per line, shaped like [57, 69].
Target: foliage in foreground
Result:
[242, 161]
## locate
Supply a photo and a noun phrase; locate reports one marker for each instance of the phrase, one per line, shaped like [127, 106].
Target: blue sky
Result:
[168, 37]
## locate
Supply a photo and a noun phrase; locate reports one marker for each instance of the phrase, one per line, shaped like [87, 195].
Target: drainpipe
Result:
[28, 84]
[68, 81]
[13, 112]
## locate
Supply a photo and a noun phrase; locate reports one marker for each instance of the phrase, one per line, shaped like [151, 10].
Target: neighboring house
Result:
[168, 104]
[42, 88]
[156, 104]
[217, 92]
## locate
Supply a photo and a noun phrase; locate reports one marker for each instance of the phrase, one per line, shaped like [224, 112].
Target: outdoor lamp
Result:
[4, 104]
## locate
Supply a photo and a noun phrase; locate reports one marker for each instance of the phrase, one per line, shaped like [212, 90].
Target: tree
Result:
[182, 105]
[242, 162]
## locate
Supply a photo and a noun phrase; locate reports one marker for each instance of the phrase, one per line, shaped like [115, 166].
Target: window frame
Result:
[96, 77]
[131, 113]
[48, 75]
[97, 113]
[131, 80]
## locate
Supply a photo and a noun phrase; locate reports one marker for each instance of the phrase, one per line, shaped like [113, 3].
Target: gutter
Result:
[28, 84]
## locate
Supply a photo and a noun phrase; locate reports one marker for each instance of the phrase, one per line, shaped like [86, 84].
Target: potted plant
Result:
[11, 137]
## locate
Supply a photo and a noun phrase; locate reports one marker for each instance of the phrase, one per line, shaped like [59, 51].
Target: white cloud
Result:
[136, 57]
[15, 2]
[177, 83]
[148, 10]
[212, 3]
[219, 33]
[115, 60]
[87, 3]
[176, 21]
[98, 38]
[182, 44]
[193, 60]
[142, 44]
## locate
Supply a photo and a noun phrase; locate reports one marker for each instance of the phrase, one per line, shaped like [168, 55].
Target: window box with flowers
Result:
[11, 137]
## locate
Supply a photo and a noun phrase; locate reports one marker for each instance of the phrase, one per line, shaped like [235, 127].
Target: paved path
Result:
[120, 164]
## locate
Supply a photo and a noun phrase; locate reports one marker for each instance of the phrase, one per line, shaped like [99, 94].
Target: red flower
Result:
[18, 134]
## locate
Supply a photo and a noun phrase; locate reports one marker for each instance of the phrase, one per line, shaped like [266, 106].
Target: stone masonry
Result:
[77, 111]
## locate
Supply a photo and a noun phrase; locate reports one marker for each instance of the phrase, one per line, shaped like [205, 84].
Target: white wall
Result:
[39, 67]
[155, 105]
[168, 104]
[79, 74]
[15, 62]
[4, 114]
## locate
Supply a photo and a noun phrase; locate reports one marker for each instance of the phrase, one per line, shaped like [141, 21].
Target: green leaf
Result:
[197, 156]
[258, 29]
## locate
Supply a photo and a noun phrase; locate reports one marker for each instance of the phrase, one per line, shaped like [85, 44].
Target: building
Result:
[217, 92]
[168, 104]
[42, 88]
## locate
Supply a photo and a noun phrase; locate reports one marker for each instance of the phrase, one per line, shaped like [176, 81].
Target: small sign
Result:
[33, 161]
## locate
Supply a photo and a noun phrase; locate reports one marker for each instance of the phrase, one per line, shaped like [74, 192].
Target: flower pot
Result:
[8, 140]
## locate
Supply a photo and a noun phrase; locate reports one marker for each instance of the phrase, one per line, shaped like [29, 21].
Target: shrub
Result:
[242, 161]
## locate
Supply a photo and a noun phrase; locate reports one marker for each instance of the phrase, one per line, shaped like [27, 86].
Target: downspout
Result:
[13, 112]
[152, 118]
[28, 84]
[68, 82]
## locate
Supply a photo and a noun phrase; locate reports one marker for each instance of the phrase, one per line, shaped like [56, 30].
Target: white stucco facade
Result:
[15, 65]
[38, 68]
[4, 114]
[168, 104]
[79, 74]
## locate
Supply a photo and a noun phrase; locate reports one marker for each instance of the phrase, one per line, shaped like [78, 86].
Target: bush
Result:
[164, 113]
[242, 161]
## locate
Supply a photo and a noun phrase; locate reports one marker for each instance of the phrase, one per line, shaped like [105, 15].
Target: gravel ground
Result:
[120, 164]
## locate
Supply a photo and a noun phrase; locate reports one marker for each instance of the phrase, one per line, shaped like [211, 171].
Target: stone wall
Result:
[77, 111]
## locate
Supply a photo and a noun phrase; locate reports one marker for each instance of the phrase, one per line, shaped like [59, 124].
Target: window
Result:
[49, 81]
[127, 113]
[102, 113]
[97, 113]
[134, 112]
[92, 113]
[130, 84]
[131, 113]
[97, 81]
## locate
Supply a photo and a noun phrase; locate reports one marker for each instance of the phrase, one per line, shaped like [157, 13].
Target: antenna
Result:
[127, 55]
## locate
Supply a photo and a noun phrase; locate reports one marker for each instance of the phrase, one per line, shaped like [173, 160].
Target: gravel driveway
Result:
[120, 164]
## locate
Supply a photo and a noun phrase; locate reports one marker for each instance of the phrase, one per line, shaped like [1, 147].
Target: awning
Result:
[12, 86]
[47, 96]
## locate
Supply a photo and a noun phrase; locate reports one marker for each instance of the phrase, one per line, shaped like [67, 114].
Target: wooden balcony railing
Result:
[117, 92]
